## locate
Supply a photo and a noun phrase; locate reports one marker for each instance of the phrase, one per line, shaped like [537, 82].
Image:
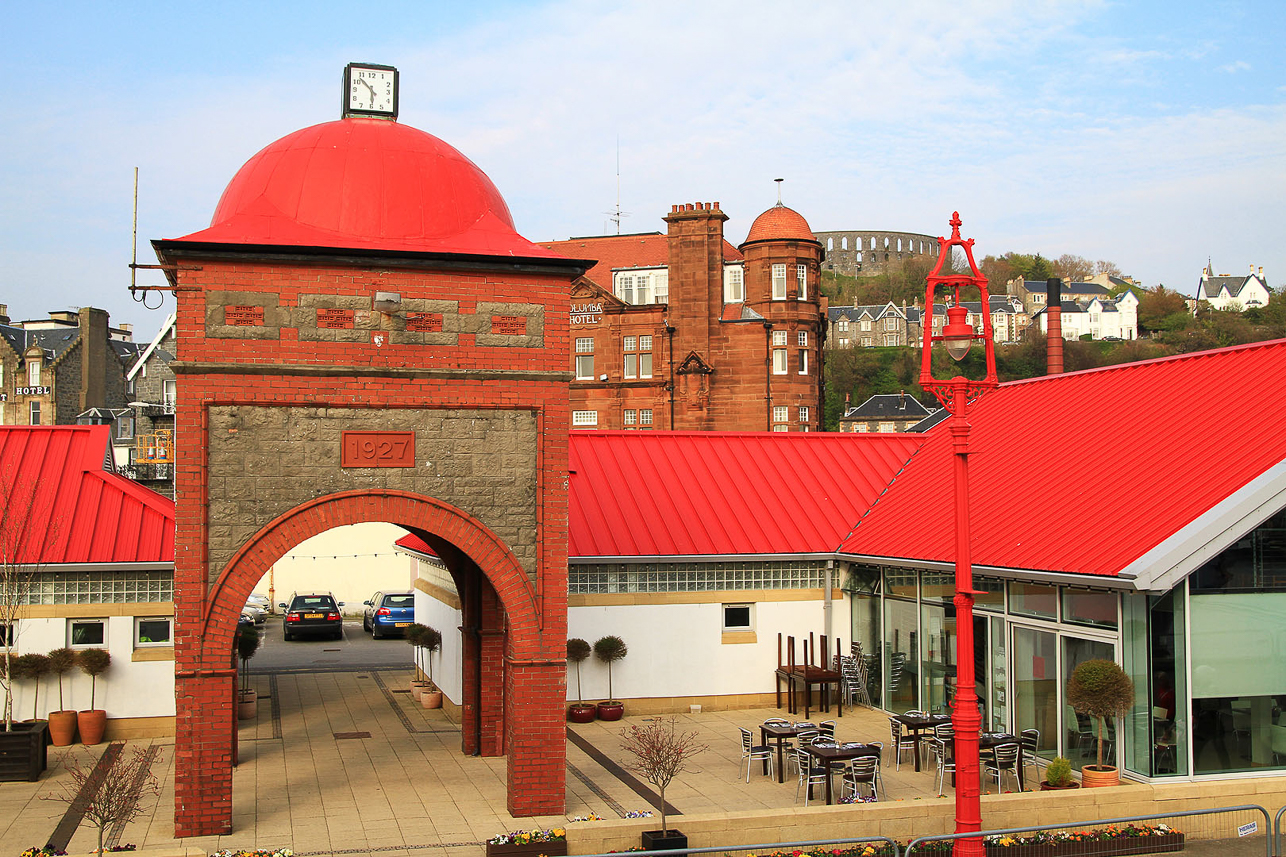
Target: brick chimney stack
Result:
[695, 241]
[1053, 326]
[94, 351]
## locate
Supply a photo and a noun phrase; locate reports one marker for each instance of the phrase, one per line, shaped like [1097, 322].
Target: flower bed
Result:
[529, 843]
[881, 849]
[260, 852]
[1110, 841]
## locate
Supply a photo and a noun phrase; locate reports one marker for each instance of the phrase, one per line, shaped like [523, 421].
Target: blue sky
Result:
[1149, 134]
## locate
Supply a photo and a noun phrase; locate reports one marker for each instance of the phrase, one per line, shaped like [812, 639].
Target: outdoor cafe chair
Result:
[827, 728]
[1030, 741]
[750, 752]
[864, 771]
[1005, 759]
[809, 774]
[900, 742]
[946, 761]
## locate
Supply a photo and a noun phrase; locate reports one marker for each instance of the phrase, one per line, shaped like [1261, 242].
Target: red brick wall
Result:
[289, 362]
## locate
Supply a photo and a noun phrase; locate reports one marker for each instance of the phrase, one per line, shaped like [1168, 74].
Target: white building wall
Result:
[127, 689]
[448, 660]
[352, 561]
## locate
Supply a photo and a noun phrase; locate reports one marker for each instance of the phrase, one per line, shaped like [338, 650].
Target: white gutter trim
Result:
[1213, 532]
[147, 352]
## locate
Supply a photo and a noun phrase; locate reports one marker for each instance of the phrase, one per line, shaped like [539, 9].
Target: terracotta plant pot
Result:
[581, 712]
[92, 724]
[610, 710]
[247, 708]
[62, 728]
[417, 690]
[431, 699]
[1094, 777]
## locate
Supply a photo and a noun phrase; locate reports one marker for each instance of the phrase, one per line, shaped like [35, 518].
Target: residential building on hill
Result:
[1009, 319]
[1239, 293]
[1098, 318]
[885, 413]
[683, 331]
[148, 457]
[1034, 293]
[867, 326]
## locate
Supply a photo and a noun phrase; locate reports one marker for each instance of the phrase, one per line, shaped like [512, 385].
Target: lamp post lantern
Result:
[957, 395]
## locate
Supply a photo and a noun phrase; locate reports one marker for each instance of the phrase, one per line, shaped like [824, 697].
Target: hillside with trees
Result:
[1166, 327]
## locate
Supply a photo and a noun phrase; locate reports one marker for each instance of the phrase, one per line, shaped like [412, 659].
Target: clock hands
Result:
[369, 89]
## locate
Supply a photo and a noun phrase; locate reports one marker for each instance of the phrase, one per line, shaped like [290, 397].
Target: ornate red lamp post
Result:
[957, 395]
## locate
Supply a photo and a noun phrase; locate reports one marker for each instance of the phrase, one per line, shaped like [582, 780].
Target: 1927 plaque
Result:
[377, 449]
[243, 316]
[509, 325]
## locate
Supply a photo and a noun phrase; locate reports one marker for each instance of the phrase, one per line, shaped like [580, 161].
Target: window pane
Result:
[87, 633]
[154, 630]
[1031, 599]
[585, 367]
[631, 365]
[901, 661]
[1089, 608]
[1035, 685]
[645, 365]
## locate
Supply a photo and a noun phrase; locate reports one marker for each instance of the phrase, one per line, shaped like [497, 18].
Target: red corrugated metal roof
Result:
[61, 505]
[623, 251]
[1087, 471]
[719, 493]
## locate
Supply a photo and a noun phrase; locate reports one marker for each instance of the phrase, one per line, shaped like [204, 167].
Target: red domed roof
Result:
[366, 184]
[780, 223]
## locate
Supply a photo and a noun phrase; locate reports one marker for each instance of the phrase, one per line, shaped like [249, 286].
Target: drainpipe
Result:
[669, 331]
[768, 373]
[827, 605]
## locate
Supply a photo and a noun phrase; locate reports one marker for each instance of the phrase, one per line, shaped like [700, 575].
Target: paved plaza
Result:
[347, 762]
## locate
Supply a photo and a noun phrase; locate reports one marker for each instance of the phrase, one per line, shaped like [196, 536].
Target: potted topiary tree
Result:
[609, 650]
[1058, 775]
[1100, 689]
[660, 754]
[92, 722]
[580, 711]
[62, 723]
[414, 636]
[430, 642]
[33, 666]
[247, 643]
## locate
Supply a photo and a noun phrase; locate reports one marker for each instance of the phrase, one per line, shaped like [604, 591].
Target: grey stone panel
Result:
[266, 460]
[534, 313]
[216, 301]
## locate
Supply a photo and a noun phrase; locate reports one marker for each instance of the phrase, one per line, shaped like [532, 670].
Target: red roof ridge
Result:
[1169, 358]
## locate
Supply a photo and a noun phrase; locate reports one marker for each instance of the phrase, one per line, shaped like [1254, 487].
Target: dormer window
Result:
[33, 374]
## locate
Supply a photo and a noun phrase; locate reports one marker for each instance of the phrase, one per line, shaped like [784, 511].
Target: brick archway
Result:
[505, 614]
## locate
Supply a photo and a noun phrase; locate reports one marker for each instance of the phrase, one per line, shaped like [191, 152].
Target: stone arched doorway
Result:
[503, 636]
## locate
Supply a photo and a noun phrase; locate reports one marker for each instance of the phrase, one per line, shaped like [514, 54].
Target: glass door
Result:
[1034, 684]
[1081, 732]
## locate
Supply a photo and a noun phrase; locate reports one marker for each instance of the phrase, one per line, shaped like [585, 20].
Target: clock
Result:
[370, 90]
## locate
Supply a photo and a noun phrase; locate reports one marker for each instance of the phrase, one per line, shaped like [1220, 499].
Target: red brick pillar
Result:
[471, 658]
[536, 694]
[491, 638]
[204, 726]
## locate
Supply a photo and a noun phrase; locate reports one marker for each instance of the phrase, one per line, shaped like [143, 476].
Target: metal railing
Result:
[1145, 844]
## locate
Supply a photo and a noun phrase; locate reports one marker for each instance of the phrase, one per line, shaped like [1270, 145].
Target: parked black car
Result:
[312, 613]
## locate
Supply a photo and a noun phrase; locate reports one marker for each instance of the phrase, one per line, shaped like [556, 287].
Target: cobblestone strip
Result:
[113, 837]
[76, 810]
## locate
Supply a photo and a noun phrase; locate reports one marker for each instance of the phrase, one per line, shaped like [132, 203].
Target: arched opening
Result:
[508, 651]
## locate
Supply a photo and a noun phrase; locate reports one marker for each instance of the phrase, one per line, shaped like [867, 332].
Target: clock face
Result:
[371, 90]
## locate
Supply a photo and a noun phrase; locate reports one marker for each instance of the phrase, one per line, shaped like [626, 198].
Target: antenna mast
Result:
[616, 214]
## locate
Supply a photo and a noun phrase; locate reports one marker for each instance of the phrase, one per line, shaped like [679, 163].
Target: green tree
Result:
[1162, 310]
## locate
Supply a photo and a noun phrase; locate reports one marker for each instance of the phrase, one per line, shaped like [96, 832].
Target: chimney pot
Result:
[715, 205]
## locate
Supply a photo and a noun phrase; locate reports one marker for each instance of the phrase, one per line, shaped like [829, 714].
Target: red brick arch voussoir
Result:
[273, 540]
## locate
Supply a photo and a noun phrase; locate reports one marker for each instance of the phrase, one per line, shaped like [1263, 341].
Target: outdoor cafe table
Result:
[918, 725]
[828, 755]
[777, 733]
[805, 678]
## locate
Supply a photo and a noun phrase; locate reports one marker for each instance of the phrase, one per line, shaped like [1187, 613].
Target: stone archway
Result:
[503, 612]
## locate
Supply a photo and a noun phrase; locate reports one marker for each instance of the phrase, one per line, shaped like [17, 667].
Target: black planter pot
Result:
[664, 840]
[22, 751]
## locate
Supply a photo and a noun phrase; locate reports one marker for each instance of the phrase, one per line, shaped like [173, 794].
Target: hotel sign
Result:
[587, 313]
[31, 391]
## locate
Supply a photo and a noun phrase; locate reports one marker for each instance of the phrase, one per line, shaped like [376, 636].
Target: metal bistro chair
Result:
[1030, 741]
[900, 742]
[943, 734]
[946, 761]
[750, 752]
[809, 775]
[803, 739]
[1006, 759]
[827, 728]
[864, 771]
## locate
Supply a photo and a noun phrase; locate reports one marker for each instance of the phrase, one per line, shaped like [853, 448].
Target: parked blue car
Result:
[388, 613]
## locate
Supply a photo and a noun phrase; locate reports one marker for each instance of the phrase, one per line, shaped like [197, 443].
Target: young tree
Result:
[660, 753]
[577, 651]
[60, 661]
[24, 529]
[115, 795]
[609, 650]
